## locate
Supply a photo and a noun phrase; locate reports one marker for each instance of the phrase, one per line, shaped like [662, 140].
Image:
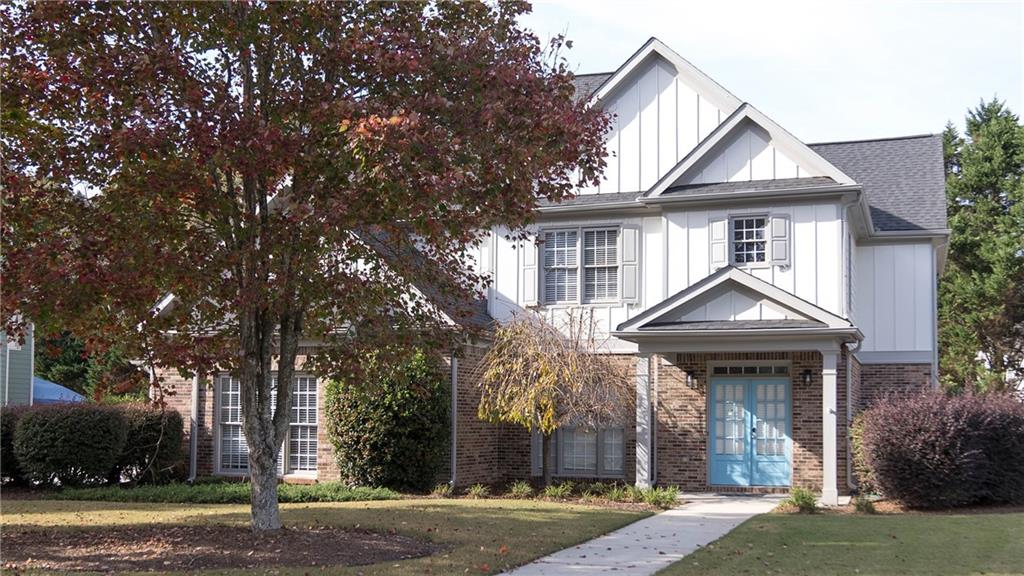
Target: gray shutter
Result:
[630, 254]
[718, 233]
[528, 256]
[780, 240]
[536, 448]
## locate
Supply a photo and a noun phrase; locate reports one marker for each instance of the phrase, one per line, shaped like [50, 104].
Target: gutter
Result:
[751, 194]
[193, 435]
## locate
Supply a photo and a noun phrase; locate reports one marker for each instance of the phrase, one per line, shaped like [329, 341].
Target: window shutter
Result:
[536, 449]
[528, 255]
[780, 244]
[630, 253]
[717, 235]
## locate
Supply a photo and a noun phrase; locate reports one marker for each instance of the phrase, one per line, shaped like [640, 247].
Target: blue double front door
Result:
[749, 432]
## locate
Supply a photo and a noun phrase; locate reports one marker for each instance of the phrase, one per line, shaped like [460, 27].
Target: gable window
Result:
[299, 451]
[749, 243]
[565, 254]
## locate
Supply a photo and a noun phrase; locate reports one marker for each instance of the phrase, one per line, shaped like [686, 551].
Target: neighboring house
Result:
[17, 362]
[763, 290]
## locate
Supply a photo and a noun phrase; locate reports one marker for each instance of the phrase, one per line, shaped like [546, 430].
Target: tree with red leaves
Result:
[288, 172]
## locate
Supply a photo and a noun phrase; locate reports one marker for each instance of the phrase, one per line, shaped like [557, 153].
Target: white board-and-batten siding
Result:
[894, 305]
[657, 118]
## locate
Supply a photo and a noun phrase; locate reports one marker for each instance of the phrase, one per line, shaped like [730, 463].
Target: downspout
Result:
[850, 481]
[455, 416]
[31, 364]
[193, 436]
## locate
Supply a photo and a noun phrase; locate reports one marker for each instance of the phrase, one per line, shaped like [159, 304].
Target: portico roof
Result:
[734, 305]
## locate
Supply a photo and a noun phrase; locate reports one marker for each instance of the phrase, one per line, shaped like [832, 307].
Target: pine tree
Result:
[981, 295]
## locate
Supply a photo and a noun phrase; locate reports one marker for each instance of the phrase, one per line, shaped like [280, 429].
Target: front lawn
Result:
[473, 536]
[933, 544]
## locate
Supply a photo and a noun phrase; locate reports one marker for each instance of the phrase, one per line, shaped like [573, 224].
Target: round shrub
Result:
[9, 470]
[153, 445]
[392, 429]
[934, 450]
[73, 443]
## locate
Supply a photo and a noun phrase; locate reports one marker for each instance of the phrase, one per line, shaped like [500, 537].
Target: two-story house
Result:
[763, 290]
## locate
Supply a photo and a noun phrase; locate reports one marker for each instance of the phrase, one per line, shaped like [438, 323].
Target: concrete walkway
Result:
[648, 545]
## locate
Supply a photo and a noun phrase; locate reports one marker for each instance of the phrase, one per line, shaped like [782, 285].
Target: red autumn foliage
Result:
[290, 172]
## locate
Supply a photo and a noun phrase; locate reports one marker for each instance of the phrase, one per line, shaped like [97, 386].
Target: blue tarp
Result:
[46, 392]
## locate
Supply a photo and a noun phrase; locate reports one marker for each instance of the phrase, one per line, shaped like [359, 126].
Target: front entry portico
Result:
[758, 428]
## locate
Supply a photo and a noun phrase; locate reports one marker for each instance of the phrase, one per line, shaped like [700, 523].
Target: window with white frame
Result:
[749, 241]
[561, 266]
[564, 253]
[600, 265]
[300, 448]
[591, 453]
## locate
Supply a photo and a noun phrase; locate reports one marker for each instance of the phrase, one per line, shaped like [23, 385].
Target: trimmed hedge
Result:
[933, 450]
[10, 471]
[391, 430]
[81, 444]
[224, 493]
[153, 446]
[74, 444]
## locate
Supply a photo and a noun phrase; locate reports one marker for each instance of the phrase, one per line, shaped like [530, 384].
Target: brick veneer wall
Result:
[880, 381]
[681, 412]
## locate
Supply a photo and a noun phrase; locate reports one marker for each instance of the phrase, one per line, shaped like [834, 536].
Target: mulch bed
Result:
[201, 547]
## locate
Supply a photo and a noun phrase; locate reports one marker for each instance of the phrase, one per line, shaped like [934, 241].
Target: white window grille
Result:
[601, 265]
[300, 448]
[561, 266]
[748, 240]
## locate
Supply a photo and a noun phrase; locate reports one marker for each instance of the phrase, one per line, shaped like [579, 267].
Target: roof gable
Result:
[700, 81]
[747, 146]
[732, 297]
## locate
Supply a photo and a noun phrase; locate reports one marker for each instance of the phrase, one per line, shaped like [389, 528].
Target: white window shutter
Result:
[528, 256]
[780, 240]
[718, 230]
[630, 252]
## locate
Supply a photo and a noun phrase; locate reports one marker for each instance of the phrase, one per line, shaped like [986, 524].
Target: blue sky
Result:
[826, 70]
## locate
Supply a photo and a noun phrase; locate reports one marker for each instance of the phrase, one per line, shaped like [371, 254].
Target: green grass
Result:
[933, 544]
[224, 493]
[484, 536]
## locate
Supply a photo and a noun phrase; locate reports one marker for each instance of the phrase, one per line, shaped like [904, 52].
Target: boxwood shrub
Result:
[391, 429]
[934, 450]
[10, 472]
[153, 445]
[74, 444]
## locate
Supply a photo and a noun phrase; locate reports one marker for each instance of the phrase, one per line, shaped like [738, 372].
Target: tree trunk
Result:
[265, 513]
[546, 459]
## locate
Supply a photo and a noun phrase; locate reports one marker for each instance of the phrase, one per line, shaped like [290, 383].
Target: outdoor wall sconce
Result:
[807, 376]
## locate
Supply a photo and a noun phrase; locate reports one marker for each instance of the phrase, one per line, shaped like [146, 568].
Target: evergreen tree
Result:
[981, 295]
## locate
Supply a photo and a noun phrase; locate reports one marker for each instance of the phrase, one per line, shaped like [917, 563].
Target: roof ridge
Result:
[593, 74]
[882, 139]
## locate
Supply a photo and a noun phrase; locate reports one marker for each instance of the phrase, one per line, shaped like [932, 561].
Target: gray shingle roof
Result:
[586, 84]
[903, 178]
[591, 199]
[734, 325]
[748, 186]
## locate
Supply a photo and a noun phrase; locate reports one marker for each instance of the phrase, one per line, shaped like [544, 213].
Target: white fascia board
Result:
[680, 298]
[703, 83]
[780, 138]
[793, 193]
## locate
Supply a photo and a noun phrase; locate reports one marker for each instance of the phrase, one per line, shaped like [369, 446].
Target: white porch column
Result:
[644, 448]
[829, 492]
